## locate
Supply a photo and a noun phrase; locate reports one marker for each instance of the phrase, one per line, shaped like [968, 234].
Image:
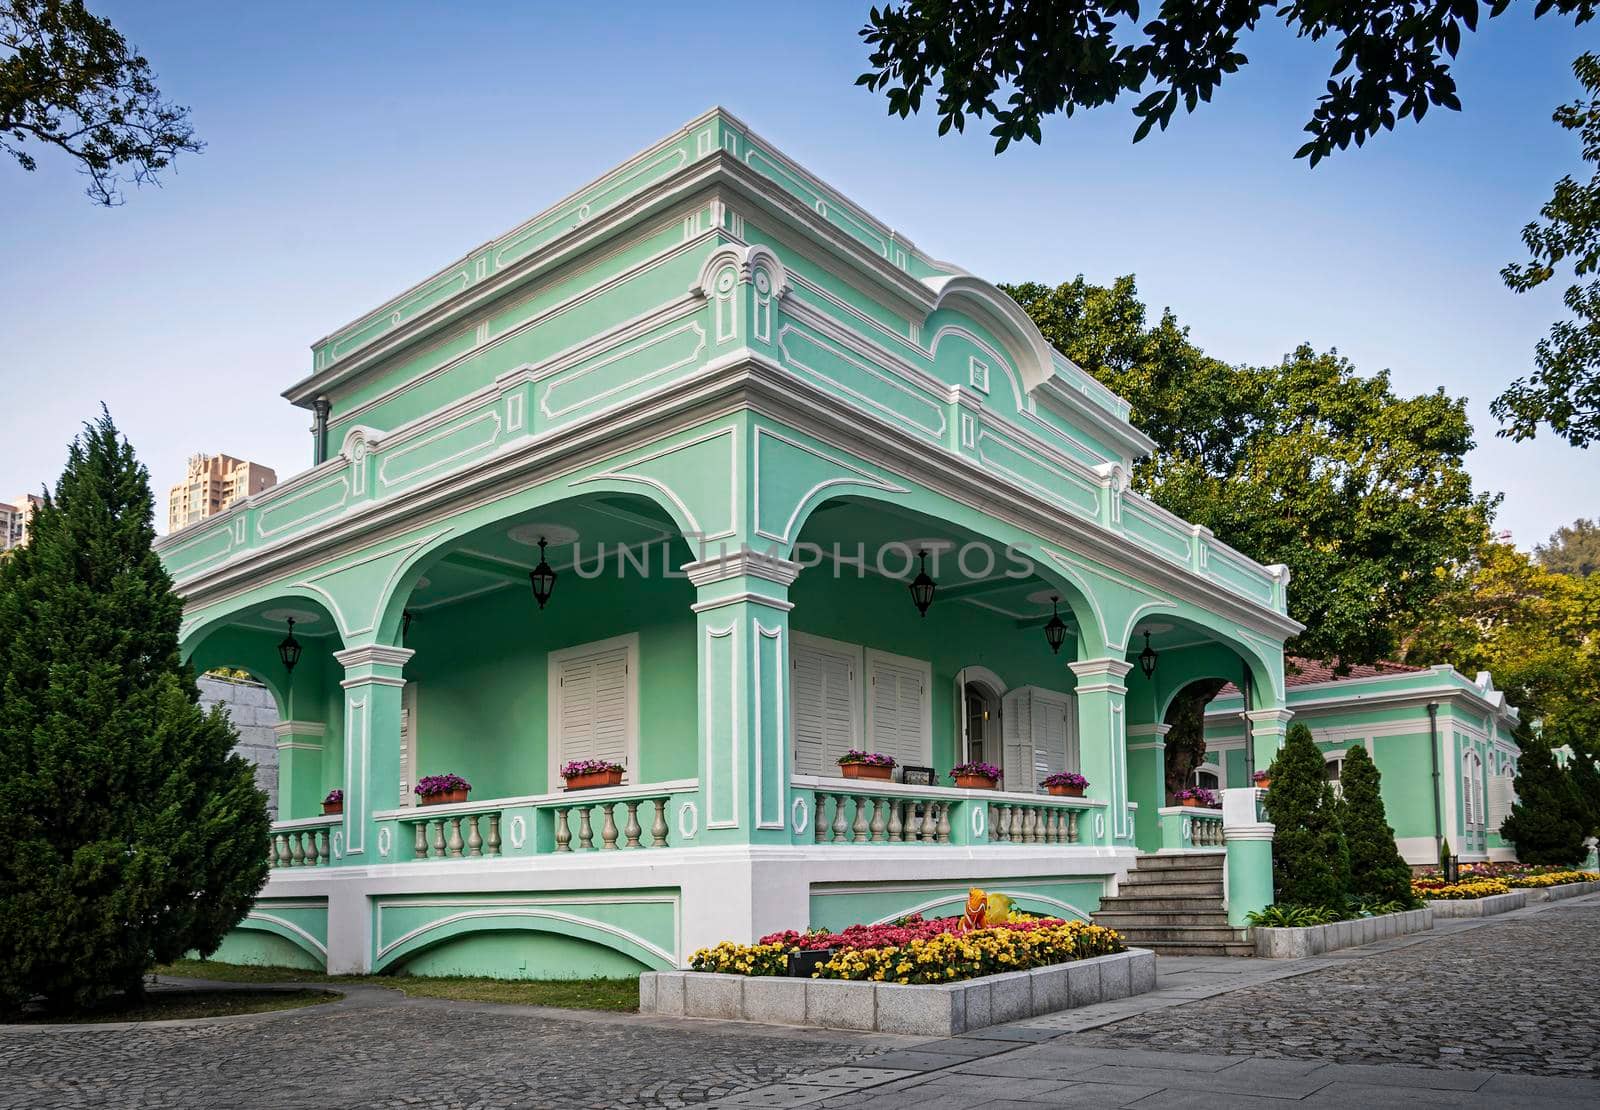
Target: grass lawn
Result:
[186, 1004]
[617, 995]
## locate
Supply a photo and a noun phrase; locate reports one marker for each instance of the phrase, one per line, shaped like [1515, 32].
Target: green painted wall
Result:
[522, 955]
[836, 906]
[252, 947]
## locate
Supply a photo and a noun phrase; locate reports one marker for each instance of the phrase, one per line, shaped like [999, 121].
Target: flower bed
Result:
[1553, 878]
[915, 950]
[1439, 890]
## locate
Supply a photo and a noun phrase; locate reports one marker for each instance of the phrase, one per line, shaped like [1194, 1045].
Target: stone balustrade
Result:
[582, 825]
[304, 843]
[1033, 823]
[1191, 828]
[837, 811]
[458, 831]
[869, 817]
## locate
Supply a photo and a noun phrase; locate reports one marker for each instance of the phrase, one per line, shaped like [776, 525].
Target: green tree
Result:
[1548, 823]
[133, 835]
[1377, 873]
[1572, 549]
[1363, 494]
[1585, 772]
[69, 80]
[1391, 58]
[1564, 389]
[1310, 860]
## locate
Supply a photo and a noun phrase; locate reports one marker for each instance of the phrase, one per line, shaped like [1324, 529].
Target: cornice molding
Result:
[375, 655]
[742, 564]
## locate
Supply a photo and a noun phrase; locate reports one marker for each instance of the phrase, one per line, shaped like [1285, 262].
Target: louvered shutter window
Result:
[1016, 733]
[1051, 731]
[822, 692]
[897, 719]
[408, 749]
[592, 713]
[1500, 800]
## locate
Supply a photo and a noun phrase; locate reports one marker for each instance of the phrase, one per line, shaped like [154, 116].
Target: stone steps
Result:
[1172, 905]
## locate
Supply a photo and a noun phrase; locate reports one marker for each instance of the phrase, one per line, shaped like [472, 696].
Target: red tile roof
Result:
[1309, 672]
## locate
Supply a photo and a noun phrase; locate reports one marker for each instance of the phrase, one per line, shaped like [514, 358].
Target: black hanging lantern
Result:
[1147, 658]
[405, 625]
[289, 649]
[543, 578]
[1055, 633]
[922, 587]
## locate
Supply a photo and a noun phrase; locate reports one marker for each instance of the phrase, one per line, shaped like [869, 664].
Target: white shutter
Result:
[897, 717]
[1016, 734]
[1500, 801]
[823, 698]
[592, 714]
[408, 745]
[1050, 733]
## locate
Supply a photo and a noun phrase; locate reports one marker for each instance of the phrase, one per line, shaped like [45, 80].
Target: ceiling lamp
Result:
[289, 649]
[543, 577]
[922, 587]
[1055, 633]
[1147, 658]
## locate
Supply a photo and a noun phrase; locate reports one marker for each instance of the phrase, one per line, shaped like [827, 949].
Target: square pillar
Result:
[300, 746]
[1267, 728]
[372, 686]
[1147, 781]
[1102, 745]
[1248, 842]
[742, 633]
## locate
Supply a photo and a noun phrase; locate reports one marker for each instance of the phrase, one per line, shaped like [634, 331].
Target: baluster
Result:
[897, 829]
[272, 849]
[819, 819]
[295, 855]
[879, 822]
[631, 830]
[585, 831]
[1061, 826]
[608, 831]
[1072, 826]
[838, 818]
[1038, 824]
[998, 830]
[474, 838]
[1028, 831]
[319, 845]
[930, 823]
[858, 827]
[1048, 817]
[658, 828]
[494, 834]
[280, 844]
[456, 842]
[419, 848]
[563, 833]
[942, 829]
[437, 825]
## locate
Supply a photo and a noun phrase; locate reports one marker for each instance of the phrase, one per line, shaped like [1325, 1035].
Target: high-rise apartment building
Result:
[16, 520]
[214, 482]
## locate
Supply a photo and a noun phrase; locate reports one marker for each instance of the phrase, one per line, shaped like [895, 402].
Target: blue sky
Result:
[353, 149]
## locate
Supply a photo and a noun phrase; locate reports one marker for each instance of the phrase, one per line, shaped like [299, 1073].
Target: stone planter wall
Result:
[1478, 907]
[934, 1011]
[1557, 893]
[1296, 944]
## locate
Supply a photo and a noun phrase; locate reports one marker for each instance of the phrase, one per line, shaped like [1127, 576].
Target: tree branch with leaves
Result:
[69, 81]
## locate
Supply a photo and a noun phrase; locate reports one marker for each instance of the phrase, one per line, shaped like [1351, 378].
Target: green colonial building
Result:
[736, 416]
[1443, 743]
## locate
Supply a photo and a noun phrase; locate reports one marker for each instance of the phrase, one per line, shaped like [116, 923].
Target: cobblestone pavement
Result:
[379, 1052]
[1509, 995]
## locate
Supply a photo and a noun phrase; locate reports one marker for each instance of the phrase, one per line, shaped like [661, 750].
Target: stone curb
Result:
[1298, 944]
[1557, 893]
[1478, 907]
[935, 1010]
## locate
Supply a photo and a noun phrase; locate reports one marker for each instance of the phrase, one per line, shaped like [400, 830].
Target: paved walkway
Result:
[1498, 1013]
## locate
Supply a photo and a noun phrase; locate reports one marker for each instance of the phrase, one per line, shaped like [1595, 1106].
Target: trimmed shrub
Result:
[1310, 861]
[1377, 873]
[133, 835]
[1548, 823]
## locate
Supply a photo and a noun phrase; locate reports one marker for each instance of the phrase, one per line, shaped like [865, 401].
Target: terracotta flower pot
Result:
[866, 771]
[445, 799]
[594, 779]
[329, 809]
[1195, 803]
[1066, 791]
[975, 782]
[1262, 784]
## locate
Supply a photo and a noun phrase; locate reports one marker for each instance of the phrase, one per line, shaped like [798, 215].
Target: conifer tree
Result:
[1377, 873]
[1310, 862]
[133, 835]
[1548, 823]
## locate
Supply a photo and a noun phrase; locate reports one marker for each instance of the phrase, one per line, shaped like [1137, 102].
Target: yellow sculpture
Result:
[985, 910]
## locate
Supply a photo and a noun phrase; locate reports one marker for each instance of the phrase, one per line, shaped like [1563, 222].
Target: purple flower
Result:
[429, 785]
[1198, 794]
[983, 770]
[334, 797]
[1066, 778]
[588, 767]
[871, 759]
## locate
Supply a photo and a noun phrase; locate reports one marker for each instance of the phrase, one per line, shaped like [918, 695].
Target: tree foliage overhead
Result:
[1564, 388]
[1018, 61]
[69, 80]
[133, 835]
[1536, 631]
[1363, 494]
[1572, 549]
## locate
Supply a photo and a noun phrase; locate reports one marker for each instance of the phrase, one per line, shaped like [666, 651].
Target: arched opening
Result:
[980, 740]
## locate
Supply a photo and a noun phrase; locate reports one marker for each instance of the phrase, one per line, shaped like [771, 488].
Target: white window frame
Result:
[924, 669]
[1337, 755]
[803, 641]
[1212, 769]
[978, 374]
[408, 768]
[628, 641]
